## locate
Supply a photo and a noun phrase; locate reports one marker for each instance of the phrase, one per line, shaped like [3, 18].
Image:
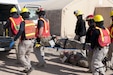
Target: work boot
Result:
[27, 70]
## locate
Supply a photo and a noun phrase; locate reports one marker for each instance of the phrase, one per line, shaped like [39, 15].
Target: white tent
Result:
[62, 19]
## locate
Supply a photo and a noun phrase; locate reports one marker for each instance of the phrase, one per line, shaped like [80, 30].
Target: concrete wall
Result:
[105, 12]
[54, 17]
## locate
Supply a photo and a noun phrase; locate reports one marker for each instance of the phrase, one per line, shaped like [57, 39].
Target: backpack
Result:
[104, 37]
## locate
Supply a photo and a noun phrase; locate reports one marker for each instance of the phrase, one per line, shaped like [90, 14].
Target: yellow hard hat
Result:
[24, 10]
[13, 10]
[98, 18]
[78, 12]
[111, 13]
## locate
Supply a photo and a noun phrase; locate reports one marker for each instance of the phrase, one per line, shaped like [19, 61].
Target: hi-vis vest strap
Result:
[29, 29]
[104, 37]
[111, 32]
[46, 31]
[15, 24]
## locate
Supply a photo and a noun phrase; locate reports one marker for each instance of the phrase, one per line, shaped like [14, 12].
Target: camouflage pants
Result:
[110, 56]
[39, 53]
[89, 56]
[96, 65]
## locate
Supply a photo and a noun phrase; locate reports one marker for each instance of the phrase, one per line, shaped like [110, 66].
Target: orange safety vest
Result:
[15, 24]
[46, 30]
[104, 37]
[36, 31]
[29, 29]
[111, 33]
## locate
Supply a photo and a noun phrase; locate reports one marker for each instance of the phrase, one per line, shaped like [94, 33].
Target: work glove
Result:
[37, 44]
[11, 44]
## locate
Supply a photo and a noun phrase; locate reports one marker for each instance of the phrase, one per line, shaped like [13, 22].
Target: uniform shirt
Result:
[40, 24]
[94, 38]
[89, 33]
[8, 24]
[21, 32]
[80, 27]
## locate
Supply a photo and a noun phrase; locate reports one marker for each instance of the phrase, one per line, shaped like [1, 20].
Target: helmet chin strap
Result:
[98, 25]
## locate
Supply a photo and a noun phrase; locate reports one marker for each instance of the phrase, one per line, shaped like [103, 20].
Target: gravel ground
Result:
[54, 66]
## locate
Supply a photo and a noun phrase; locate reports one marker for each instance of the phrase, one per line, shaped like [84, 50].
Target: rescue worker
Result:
[43, 36]
[80, 29]
[90, 21]
[100, 41]
[27, 34]
[13, 24]
[110, 53]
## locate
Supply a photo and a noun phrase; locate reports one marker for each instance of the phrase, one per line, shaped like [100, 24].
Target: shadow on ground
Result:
[57, 68]
[4, 56]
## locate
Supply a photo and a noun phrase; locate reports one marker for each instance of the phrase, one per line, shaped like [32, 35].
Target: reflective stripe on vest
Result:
[104, 37]
[102, 32]
[46, 31]
[111, 32]
[29, 29]
[15, 24]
